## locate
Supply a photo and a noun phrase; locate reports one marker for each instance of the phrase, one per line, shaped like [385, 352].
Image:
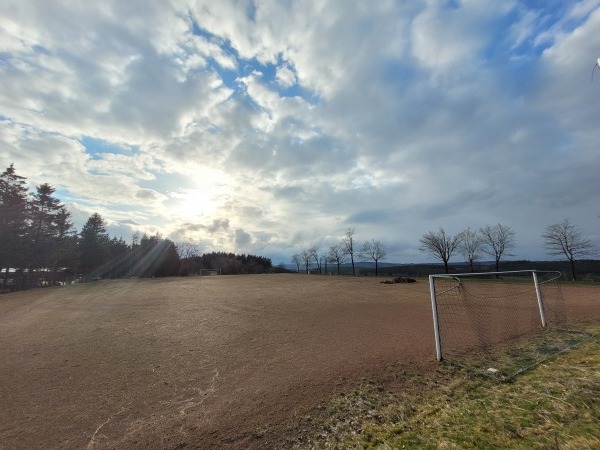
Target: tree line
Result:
[39, 245]
[561, 239]
[226, 263]
[496, 241]
[344, 251]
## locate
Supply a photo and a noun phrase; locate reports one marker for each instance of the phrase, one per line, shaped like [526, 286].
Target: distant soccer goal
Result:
[204, 272]
[500, 321]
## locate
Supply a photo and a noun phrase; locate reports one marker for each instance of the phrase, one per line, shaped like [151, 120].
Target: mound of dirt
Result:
[399, 280]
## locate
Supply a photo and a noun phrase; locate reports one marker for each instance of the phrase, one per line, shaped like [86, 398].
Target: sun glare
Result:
[195, 203]
[201, 194]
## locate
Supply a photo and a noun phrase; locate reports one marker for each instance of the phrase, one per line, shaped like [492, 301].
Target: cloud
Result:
[147, 194]
[286, 77]
[271, 126]
[242, 238]
[218, 225]
[129, 222]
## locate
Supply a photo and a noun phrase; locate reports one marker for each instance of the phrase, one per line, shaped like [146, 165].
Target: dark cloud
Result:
[218, 225]
[147, 194]
[242, 238]
[128, 222]
[371, 216]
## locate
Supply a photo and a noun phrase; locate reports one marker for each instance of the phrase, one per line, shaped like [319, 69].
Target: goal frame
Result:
[434, 306]
[207, 272]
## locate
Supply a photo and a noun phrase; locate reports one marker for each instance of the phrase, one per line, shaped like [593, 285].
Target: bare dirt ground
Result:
[211, 363]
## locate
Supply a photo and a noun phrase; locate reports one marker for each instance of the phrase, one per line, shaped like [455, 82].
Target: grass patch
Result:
[509, 359]
[556, 405]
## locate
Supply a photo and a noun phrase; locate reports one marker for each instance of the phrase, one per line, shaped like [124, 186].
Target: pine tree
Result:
[94, 246]
[43, 243]
[118, 260]
[66, 257]
[14, 221]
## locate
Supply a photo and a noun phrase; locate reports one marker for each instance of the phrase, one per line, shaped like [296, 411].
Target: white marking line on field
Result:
[191, 402]
[91, 443]
[213, 381]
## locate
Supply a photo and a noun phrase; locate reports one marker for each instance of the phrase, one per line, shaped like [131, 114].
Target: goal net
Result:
[499, 322]
[204, 272]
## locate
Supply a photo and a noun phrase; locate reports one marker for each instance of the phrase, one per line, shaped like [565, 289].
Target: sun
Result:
[200, 193]
[194, 204]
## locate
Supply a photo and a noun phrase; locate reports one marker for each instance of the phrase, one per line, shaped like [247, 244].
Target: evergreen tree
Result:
[118, 258]
[169, 259]
[66, 257]
[155, 256]
[14, 220]
[93, 246]
[43, 230]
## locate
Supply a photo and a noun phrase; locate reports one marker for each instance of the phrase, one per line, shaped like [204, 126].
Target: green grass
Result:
[509, 359]
[556, 405]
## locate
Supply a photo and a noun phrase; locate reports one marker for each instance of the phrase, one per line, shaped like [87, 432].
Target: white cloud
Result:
[286, 77]
[407, 116]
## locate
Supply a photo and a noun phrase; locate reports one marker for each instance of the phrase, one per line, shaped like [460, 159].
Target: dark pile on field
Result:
[399, 280]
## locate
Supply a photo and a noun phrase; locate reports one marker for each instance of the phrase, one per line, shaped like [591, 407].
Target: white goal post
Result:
[478, 310]
[210, 272]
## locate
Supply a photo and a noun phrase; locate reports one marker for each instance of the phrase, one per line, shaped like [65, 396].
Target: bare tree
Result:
[185, 249]
[565, 239]
[314, 250]
[348, 242]
[307, 257]
[188, 253]
[325, 259]
[497, 240]
[374, 250]
[297, 260]
[470, 247]
[440, 245]
[337, 255]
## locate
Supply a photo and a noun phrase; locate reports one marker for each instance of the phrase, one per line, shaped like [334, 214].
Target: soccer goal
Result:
[204, 272]
[479, 316]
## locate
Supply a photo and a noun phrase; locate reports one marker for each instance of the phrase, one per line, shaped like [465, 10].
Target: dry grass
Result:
[554, 406]
[509, 359]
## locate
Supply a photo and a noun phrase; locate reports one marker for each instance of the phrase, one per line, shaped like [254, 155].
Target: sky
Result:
[267, 127]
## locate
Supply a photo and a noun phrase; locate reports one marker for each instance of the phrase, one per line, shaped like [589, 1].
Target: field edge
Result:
[554, 405]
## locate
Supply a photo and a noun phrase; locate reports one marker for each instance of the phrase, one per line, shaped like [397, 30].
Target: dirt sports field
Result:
[222, 362]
